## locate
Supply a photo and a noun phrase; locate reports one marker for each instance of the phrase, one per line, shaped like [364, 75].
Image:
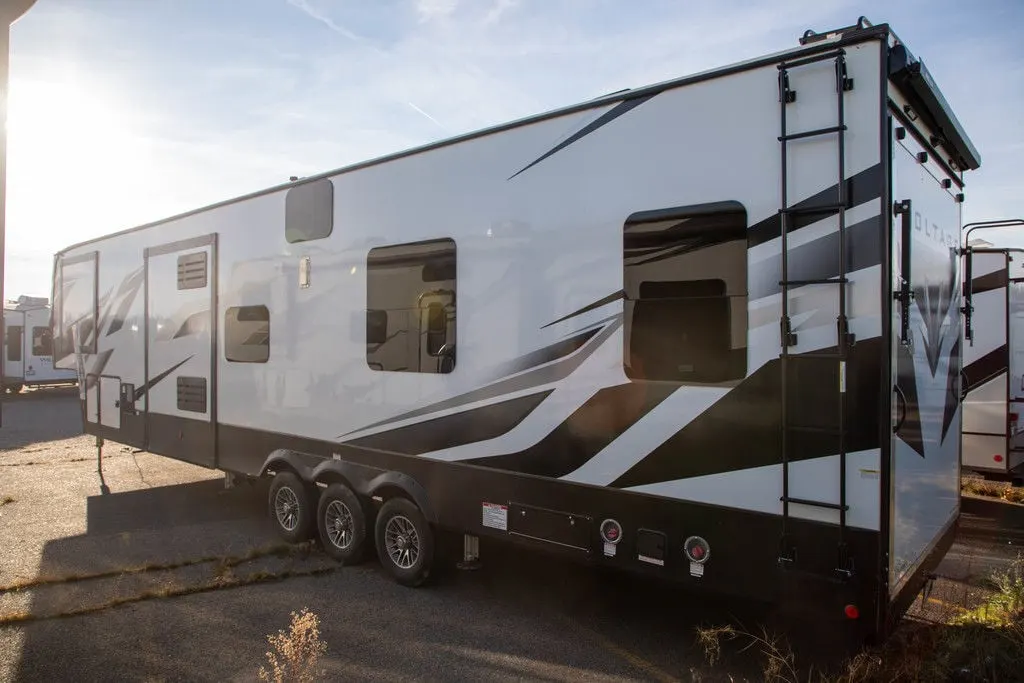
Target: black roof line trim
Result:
[872, 33]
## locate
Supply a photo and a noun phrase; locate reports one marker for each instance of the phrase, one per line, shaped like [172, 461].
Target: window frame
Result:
[439, 257]
[228, 320]
[299, 214]
[20, 346]
[36, 349]
[732, 364]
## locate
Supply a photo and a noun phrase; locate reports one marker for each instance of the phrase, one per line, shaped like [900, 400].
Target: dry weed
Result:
[992, 489]
[985, 643]
[295, 655]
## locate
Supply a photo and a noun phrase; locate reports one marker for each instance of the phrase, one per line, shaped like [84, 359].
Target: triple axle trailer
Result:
[705, 330]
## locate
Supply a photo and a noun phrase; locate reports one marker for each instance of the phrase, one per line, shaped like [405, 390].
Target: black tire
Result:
[290, 493]
[402, 526]
[341, 521]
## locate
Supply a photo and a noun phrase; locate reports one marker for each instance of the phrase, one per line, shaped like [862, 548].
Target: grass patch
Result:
[992, 489]
[984, 643]
[223, 564]
[169, 590]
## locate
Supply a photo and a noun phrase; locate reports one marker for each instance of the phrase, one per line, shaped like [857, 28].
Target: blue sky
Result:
[125, 111]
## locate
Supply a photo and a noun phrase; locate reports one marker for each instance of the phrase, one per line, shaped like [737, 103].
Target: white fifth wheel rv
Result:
[28, 346]
[703, 330]
[993, 359]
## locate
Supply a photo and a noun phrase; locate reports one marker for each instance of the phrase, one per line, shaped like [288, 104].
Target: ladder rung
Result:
[826, 208]
[812, 59]
[815, 503]
[823, 281]
[811, 133]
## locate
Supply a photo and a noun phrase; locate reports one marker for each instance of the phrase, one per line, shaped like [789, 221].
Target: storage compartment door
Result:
[109, 401]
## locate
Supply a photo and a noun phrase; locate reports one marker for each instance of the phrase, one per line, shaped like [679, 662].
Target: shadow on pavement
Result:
[55, 413]
[168, 507]
[523, 614]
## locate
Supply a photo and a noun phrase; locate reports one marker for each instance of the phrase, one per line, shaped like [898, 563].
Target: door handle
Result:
[905, 294]
[903, 405]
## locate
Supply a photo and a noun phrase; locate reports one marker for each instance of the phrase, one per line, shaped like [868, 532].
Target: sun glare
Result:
[76, 169]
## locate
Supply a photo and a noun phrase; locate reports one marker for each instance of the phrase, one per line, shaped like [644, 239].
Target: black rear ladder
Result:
[791, 362]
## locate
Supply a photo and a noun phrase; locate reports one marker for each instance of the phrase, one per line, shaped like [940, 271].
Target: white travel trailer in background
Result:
[28, 346]
[993, 382]
[703, 330]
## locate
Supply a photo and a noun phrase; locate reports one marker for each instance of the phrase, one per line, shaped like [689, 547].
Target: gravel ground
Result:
[522, 616]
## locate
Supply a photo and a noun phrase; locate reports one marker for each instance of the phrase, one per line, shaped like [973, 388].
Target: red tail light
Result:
[851, 612]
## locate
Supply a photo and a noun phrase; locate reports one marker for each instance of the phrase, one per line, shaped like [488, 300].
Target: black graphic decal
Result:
[934, 301]
[986, 283]
[907, 404]
[819, 259]
[589, 307]
[986, 368]
[548, 354]
[132, 286]
[606, 118]
[594, 425]
[860, 188]
[470, 426]
[953, 397]
[743, 429]
[539, 376]
[141, 391]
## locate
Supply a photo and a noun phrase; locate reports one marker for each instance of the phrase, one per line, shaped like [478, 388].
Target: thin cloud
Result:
[429, 10]
[325, 20]
[428, 116]
[499, 8]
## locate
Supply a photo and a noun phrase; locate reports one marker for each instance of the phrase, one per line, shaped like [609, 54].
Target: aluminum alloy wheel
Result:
[286, 506]
[339, 524]
[402, 542]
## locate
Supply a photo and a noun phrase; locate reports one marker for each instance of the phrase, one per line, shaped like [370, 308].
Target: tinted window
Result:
[410, 303]
[247, 334]
[14, 333]
[42, 341]
[309, 211]
[685, 282]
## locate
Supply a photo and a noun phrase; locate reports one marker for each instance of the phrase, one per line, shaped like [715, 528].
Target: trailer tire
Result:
[341, 521]
[291, 507]
[405, 542]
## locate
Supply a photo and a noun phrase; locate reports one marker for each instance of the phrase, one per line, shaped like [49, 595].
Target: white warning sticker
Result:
[696, 569]
[609, 549]
[496, 516]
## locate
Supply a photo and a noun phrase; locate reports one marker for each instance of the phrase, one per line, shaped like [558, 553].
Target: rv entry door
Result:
[180, 388]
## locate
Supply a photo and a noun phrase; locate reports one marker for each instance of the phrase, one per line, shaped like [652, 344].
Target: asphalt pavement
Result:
[154, 529]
